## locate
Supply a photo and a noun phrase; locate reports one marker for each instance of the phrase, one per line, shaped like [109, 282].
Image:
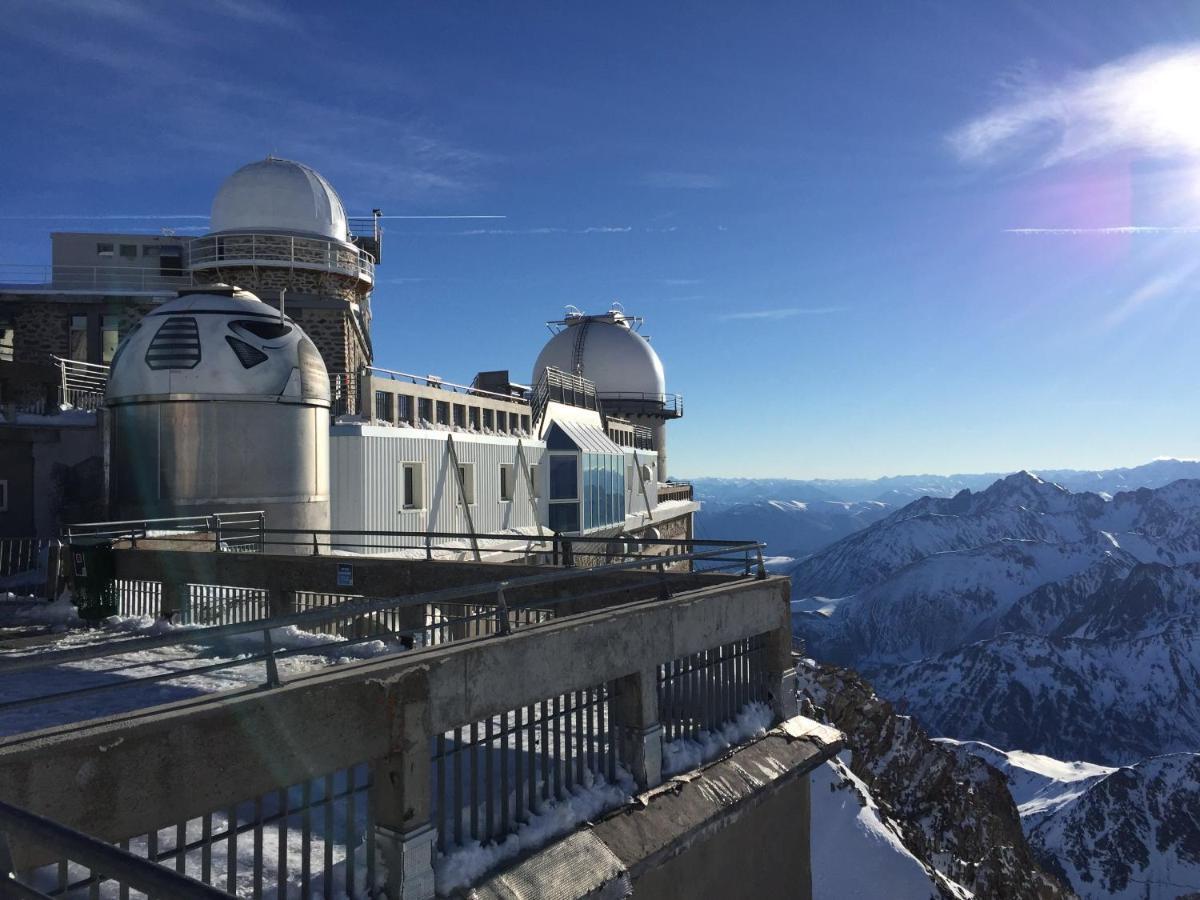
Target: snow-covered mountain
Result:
[1131, 832]
[1025, 616]
[950, 812]
[791, 528]
[799, 518]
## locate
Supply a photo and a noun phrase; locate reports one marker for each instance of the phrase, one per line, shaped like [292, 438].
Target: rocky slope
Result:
[952, 812]
[1131, 832]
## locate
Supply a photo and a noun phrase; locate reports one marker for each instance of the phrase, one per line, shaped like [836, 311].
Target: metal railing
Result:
[329, 817]
[97, 279]
[670, 405]
[255, 249]
[499, 608]
[491, 776]
[562, 387]
[703, 691]
[101, 864]
[434, 381]
[233, 531]
[675, 490]
[22, 554]
[83, 383]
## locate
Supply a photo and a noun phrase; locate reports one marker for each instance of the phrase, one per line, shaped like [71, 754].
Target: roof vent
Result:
[176, 345]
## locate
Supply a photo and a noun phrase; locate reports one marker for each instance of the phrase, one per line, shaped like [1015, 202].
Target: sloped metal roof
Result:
[588, 438]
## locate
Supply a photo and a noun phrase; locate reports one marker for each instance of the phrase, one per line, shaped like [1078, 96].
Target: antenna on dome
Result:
[617, 307]
[572, 310]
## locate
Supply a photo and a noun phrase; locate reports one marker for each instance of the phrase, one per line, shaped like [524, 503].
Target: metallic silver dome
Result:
[220, 343]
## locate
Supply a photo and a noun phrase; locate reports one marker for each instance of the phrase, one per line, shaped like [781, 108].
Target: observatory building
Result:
[161, 376]
[218, 403]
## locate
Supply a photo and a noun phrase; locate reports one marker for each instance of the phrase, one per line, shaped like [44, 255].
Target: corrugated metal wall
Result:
[368, 480]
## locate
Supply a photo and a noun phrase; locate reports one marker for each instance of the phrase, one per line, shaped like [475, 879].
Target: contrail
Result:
[1112, 229]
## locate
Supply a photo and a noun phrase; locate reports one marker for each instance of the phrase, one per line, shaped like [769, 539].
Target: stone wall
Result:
[270, 280]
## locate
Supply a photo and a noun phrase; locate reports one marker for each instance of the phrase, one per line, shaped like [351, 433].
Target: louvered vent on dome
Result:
[176, 345]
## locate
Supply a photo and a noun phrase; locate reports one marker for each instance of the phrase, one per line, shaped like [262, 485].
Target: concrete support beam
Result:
[402, 790]
[174, 597]
[636, 711]
[781, 673]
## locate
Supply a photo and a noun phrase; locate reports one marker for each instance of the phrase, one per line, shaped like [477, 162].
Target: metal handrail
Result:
[668, 402]
[94, 278]
[435, 382]
[257, 248]
[350, 609]
[151, 878]
[82, 384]
[250, 523]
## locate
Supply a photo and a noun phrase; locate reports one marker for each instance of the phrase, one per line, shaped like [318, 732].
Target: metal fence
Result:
[220, 604]
[230, 532]
[311, 839]
[138, 598]
[491, 776]
[23, 554]
[703, 691]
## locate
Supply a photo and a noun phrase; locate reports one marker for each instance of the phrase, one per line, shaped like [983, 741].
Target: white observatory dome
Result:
[608, 352]
[278, 195]
[217, 343]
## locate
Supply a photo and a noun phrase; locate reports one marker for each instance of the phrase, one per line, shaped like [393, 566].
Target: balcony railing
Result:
[434, 382]
[668, 405]
[249, 249]
[674, 490]
[83, 384]
[98, 279]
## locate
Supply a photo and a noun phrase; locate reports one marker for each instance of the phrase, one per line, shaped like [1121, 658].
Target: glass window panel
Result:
[110, 337]
[564, 477]
[79, 338]
[564, 517]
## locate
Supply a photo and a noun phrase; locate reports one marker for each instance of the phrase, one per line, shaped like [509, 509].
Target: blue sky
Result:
[867, 238]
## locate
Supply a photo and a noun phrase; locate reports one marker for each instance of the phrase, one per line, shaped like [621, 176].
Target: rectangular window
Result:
[151, 250]
[467, 472]
[383, 406]
[425, 409]
[129, 251]
[460, 415]
[564, 476]
[104, 249]
[533, 477]
[473, 417]
[78, 348]
[501, 421]
[4, 495]
[525, 424]
[489, 420]
[564, 517]
[443, 412]
[110, 337]
[404, 408]
[506, 482]
[413, 490]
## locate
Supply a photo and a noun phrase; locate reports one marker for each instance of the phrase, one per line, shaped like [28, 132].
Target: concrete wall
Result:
[119, 777]
[761, 853]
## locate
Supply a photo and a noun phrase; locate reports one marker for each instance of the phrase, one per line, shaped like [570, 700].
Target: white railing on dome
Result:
[251, 248]
[83, 383]
[101, 279]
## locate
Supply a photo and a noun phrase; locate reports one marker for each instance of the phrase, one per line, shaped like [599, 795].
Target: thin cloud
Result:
[1157, 290]
[1144, 103]
[789, 312]
[688, 181]
[679, 282]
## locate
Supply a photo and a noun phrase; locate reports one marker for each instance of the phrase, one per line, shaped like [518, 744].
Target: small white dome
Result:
[278, 195]
[218, 343]
[606, 351]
